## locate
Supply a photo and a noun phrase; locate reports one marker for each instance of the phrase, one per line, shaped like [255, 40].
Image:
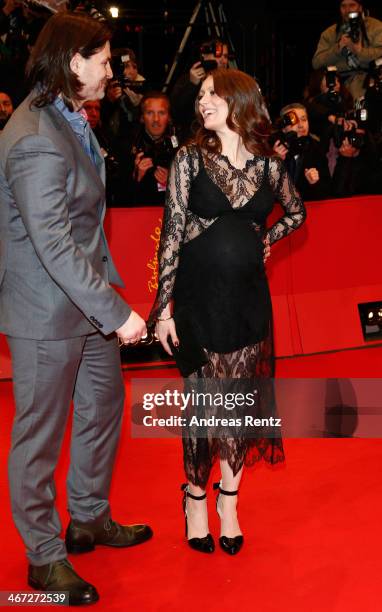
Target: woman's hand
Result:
[164, 329]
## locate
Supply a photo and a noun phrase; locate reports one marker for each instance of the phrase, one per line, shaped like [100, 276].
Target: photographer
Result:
[212, 54]
[350, 44]
[373, 98]
[354, 164]
[153, 147]
[304, 159]
[120, 109]
[326, 99]
[344, 134]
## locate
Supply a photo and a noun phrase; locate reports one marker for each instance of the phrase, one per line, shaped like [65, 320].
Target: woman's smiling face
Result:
[213, 109]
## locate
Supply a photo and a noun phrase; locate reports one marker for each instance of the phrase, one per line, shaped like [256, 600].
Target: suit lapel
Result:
[97, 171]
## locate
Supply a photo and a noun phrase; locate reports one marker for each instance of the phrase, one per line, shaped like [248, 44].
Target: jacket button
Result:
[104, 258]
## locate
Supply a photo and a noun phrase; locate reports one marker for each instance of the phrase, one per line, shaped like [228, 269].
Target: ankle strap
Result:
[216, 485]
[185, 488]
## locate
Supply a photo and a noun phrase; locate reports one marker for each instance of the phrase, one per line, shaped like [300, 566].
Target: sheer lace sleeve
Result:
[174, 220]
[289, 198]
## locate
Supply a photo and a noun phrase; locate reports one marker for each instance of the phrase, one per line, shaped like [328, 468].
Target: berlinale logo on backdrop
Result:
[152, 263]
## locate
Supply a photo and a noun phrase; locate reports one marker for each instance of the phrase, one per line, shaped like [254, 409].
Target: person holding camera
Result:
[304, 159]
[327, 100]
[350, 44]
[213, 54]
[348, 145]
[120, 109]
[153, 147]
[352, 167]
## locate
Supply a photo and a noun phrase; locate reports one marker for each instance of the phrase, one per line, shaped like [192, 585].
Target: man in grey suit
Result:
[60, 314]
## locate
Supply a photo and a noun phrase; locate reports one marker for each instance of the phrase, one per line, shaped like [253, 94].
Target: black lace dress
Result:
[211, 263]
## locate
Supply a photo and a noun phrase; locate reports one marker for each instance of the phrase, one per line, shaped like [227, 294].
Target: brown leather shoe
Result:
[60, 576]
[83, 537]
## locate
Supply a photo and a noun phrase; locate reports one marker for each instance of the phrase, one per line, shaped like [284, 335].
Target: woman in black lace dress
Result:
[221, 189]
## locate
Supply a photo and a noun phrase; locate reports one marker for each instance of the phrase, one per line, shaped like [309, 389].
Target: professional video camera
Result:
[118, 68]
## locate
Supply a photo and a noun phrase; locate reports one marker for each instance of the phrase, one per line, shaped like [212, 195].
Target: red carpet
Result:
[312, 527]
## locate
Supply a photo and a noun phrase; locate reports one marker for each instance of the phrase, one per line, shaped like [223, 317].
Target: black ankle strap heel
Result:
[206, 544]
[230, 545]
[216, 485]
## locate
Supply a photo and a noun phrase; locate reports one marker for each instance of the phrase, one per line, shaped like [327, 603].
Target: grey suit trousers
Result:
[47, 374]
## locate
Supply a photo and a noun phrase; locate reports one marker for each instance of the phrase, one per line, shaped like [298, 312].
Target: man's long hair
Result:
[246, 113]
[48, 68]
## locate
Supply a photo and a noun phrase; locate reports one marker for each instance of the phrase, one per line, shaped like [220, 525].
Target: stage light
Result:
[114, 12]
[371, 320]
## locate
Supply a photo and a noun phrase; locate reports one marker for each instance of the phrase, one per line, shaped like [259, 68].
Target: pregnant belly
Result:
[230, 248]
[222, 281]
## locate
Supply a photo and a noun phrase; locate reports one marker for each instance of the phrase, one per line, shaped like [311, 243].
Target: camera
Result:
[331, 78]
[360, 112]
[355, 139]
[161, 152]
[290, 118]
[209, 65]
[354, 21]
[373, 96]
[212, 47]
[375, 74]
[118, 68]
[290, 140]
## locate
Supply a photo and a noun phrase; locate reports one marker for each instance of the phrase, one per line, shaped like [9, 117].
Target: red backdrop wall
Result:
[317, 275]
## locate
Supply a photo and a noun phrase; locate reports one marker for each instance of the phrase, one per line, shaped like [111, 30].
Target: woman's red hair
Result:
[246, 113]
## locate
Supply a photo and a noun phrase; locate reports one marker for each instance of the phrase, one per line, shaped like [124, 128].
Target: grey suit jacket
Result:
[55, 265]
